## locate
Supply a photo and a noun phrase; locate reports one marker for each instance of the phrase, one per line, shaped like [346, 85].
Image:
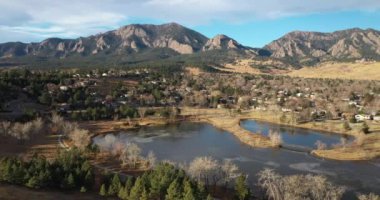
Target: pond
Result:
[185, 141]
[294, 136]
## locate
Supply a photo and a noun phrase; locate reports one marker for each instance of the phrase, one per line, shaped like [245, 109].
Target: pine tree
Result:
[137, 189]
[122, 194]
[32, 182]
[89, 179]
[365, 128]
[188, 191]
[201, 194]
[174, 191]
[83, 189]
[103, 191]
[115, 185]
[144, 195]
[70, 181]
[241, 188]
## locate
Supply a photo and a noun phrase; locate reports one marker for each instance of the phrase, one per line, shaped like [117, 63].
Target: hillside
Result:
[313, 47]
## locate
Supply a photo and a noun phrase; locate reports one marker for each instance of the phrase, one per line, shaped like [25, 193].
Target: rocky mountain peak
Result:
[222, 42]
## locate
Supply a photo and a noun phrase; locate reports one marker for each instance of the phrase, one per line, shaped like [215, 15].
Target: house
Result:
[286, 110]
[63, 88]
[376, 118]
[220, 106]
[362, 117]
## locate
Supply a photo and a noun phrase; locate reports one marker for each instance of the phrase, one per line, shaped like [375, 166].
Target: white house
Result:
[63, 88]
[376, 118]
[286, 110]
[362, 117]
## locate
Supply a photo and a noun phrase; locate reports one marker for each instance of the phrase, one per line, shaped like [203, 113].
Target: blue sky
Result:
[260, 32]
[251, 22]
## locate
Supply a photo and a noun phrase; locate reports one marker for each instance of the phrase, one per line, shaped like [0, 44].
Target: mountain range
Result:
[138, 43]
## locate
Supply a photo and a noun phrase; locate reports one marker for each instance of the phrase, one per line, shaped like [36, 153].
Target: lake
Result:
[184, 141]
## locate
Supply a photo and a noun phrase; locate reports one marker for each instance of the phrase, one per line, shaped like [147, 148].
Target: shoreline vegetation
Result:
[364, 147]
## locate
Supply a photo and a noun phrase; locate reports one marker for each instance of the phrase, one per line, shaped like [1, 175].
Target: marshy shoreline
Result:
[222, 119]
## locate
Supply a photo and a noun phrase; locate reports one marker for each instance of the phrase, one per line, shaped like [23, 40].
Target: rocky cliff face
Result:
[222, 42]
[125, 40]
[347, 44]
[132, 38]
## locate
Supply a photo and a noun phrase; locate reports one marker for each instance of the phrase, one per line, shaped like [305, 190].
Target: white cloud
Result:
[37, 19]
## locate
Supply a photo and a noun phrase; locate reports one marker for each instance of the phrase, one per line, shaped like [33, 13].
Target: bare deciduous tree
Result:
[22, 131]
[320, 145]
[298, 187]
[130, 155]
[5, 127]
[210, 172]
[275, 138]
[57, 121]
[230, 171]
[151, 159]
[38, 125]
[142, 111]
[370, 196]
[80, 138]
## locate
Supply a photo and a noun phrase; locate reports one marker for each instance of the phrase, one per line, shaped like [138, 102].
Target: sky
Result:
[251, 22]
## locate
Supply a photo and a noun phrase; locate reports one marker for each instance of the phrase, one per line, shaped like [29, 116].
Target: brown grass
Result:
[369, 149]
[359, 71]
[109, 126]
[45, 145]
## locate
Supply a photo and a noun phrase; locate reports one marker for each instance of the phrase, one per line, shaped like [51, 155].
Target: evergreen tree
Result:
[188, 191]
[365, 128]
[103, 191]
[137, 189]
[70, 183]
[32, 182]
[89, 179]
[123, 193]
[144, 195]
[241, 188]
[115, 185]
[202, 193]
[83, 189]
[174, 191]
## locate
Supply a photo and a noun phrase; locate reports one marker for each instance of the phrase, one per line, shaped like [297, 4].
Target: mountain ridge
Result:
[172, 40]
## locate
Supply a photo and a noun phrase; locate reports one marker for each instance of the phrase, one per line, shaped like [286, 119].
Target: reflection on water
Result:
[291, 135]
[185, 141]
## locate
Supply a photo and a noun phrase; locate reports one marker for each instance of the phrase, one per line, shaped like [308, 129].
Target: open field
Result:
[358, 71]
[109, 126]
[45, 145]
[241, 66]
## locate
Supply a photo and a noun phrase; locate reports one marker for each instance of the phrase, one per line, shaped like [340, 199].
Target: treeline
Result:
[70, 170]
[164, 182]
